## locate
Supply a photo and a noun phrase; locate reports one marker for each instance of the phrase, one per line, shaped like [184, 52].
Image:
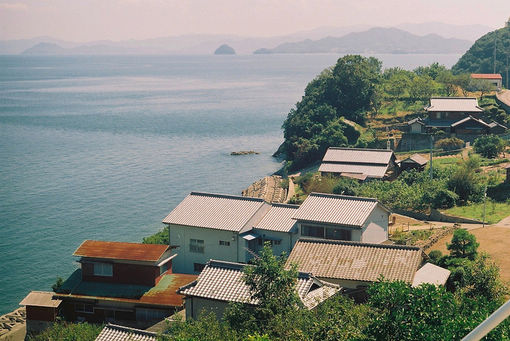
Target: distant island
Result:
[225, 49]
[374, 40]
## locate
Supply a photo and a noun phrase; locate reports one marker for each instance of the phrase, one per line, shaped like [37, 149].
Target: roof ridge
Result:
[227, 196]
[275, 204]
[362, 149]
[124, 328]
[343, 196]
[354, 243]
[446, 97]
[226, 264]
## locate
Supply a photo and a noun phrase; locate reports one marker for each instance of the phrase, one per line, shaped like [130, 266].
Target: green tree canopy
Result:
[463, 245]
[489, 146]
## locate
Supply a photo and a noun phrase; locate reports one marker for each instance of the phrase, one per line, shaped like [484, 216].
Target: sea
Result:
[104, 147]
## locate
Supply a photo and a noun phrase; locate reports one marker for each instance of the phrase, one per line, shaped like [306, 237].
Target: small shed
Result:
[414, 161]
[416, 126]
[42, 310]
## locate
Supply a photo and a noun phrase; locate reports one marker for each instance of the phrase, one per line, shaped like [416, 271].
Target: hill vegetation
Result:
[346, 104]
[480, 57]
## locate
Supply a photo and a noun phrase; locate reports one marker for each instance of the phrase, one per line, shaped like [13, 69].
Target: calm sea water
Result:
[105, 147]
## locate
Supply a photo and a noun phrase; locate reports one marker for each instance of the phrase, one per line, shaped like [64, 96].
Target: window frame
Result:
[99, 269]
[196, 245]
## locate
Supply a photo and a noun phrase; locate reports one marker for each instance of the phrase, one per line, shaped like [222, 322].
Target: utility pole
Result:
[484, 199]
[507, 70]
[495, 43]
[431, 145]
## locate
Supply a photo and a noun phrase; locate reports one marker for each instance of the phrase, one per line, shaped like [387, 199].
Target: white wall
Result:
[181, 235]
[287, 240]
[375, 229]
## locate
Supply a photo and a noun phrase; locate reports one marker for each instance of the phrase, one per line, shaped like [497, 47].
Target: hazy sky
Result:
[86, 20]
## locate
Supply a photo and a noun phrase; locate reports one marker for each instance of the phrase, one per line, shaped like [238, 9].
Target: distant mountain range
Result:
[375, 40]
[206, 44]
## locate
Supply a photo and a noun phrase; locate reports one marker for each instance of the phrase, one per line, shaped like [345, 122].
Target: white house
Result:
[221, 283]
[231, 228]
[343, 217]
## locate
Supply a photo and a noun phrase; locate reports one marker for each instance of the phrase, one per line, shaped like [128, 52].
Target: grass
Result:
[411, 237]
[494, 211]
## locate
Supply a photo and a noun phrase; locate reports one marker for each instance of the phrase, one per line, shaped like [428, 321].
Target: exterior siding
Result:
[375, 229]
[41, 313]
[287, 240]
[356, 233]
[196, 305]
[122, 273]
[181, 235]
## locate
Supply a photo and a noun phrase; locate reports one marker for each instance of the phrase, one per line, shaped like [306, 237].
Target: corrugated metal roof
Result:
[164, 293]
[465, 104]
[358, 155]
[486, 76]
[216, 211]
[279, 218]
[40, 299]
[373, 171]
[432, 274]
[356, 261]
[416, 158]
[223, 281]
[121, 250]
[336, 209]
[113, 332]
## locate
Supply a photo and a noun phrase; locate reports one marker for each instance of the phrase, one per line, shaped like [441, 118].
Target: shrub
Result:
[450, 144]
[489, 146]
[346, 186]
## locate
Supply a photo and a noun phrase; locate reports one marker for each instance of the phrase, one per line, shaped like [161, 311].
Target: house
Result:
[470, 126]
[232, 228]
[42, 310]
[415, 161]
[349, 162]
[120, 281]
[343, 217]
[497, 128]
[493, 79]
[113, 332]
[445, 111]
[221, 283]
[206, 225]
[355, 265]
[416, 126]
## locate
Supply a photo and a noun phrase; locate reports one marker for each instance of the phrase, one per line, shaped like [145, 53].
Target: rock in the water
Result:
[244, 152]
[225, 49]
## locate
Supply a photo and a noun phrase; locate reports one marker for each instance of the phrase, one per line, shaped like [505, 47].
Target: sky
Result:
[88, 20]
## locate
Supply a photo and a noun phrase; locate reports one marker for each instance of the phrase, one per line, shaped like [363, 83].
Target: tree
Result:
[465, 182]
[273, 287]
[463, 245]
[489, 146]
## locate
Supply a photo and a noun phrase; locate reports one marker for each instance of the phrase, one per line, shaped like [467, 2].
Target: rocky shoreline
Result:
[11, 320]
[269, 188]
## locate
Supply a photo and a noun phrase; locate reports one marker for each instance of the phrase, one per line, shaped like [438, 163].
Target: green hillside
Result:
[480, 57]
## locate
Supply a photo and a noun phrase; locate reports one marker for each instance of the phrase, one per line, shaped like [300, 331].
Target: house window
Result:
[103, 269]
[143, 314]
[438, 115]
[326, 233]
[198, 267]
[224, 243]
[84, 308]
[338, 234]
[313, 231]
[196, 245]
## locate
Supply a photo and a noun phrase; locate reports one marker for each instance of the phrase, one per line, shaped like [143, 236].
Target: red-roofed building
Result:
[492, 78]
[127, 283]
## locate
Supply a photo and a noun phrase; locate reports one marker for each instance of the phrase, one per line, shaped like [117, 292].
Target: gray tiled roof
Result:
[358, 155]
[470, 118]
[373, 171]
[279, 218]
[336, 209]
[464, 104]
[356, 261]
[222, 281]
[112, 332]
[216, 211]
